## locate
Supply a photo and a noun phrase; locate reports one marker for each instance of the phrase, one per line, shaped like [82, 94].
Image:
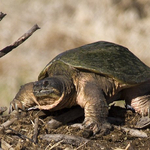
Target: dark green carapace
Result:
[105, 58]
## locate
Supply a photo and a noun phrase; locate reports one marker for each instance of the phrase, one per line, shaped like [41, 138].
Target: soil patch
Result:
[20, 134]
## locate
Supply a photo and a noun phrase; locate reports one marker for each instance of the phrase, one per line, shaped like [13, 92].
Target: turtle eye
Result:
[45, 83]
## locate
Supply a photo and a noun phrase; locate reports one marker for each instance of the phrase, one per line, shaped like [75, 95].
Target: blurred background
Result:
[64, 25]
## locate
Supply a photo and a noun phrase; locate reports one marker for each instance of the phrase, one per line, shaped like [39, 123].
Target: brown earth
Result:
[64, 25]
[19, 135]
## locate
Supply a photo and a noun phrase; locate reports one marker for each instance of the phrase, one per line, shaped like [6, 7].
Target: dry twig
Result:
[68, 139]
[5, 126]
[55, 145]
[5, 145]
[21, 135]
[2, 15]
[64, 118]
[35, 130]
[25, 36]
[7, 123]
[132, 132]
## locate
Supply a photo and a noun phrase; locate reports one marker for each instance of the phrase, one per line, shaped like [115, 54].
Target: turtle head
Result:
[49, 93]
[48, 87]
[53, 93]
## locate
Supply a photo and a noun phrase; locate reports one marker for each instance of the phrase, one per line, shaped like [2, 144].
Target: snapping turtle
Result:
[91, 76]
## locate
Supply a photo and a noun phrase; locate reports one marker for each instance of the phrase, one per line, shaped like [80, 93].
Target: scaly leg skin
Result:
[141, 105]
[95, 107]
[96, 118]
[24, 98]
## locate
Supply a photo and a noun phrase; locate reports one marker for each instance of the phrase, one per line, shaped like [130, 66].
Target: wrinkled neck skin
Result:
[66, 99]
[65, 74]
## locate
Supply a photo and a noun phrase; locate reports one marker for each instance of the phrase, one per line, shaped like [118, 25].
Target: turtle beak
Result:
[47, 88]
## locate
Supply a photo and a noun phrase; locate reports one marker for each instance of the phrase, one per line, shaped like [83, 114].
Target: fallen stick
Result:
[66, 117]
[132, 132]
[2, 15]
[53, 146]
[7, 123]
[67, 139]
[35, 130]
[129, 147]
[20, 135]
[5, 145]
[78, 125]
[25, 36]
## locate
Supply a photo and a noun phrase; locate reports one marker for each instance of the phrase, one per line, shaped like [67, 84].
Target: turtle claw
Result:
[97, 127]
[10, 108]
[33, 108]
[16, 105]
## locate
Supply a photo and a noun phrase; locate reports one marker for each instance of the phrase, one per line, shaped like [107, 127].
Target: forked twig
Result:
[2, 15]
[25, 36]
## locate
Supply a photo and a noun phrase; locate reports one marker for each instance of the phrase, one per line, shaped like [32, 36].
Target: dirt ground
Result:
[64, 25]
[20, 134]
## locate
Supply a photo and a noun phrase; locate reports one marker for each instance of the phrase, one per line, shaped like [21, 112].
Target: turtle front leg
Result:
[24, 99]
[91, 98]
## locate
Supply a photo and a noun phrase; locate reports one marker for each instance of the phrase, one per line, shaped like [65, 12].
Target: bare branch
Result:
[7, 123]
[64, 118]
[69, 139]
[35, 130]
[20, 135]
[2, 15]
[25, 36]
[5, 145]
[132, 132]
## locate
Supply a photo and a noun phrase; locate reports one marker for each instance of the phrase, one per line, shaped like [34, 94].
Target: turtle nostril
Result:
[45, 83]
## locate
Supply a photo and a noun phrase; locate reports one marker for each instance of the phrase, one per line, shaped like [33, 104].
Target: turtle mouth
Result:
[43, 92]
[47, 88]
[51, 93]
[47, 104]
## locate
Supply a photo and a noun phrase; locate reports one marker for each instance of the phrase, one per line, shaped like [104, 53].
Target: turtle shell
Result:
[106, 59]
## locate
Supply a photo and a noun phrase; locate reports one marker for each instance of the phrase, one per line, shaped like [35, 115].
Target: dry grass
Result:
[66, 24]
